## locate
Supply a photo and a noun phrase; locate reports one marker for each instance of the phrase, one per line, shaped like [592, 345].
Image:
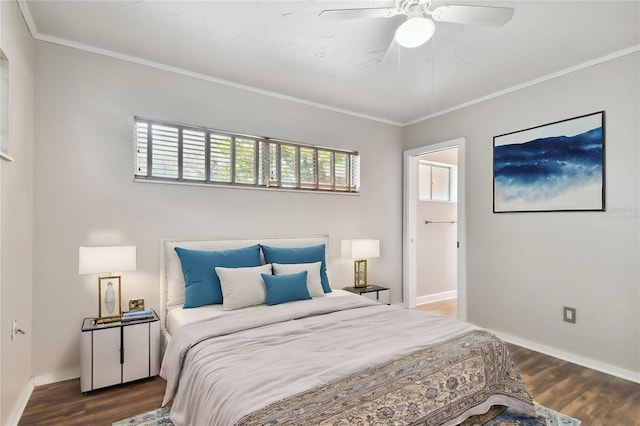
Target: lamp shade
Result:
[360, 249]
[98, 260]
[415, 31]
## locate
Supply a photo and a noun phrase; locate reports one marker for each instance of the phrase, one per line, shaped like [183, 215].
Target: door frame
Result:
[410, 221]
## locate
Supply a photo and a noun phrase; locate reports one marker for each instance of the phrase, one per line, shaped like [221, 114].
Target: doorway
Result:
[445, 217]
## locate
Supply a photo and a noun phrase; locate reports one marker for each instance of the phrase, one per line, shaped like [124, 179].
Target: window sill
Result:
[254, 188]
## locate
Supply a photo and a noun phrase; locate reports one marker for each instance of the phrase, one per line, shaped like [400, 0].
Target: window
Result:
[436, 181]
[173, 152]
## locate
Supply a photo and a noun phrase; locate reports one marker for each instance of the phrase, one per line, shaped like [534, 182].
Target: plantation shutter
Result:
[220, 158]
[164, 157]
[166, 151]
[245, 161]
[142, 139]
[194, 155]
[308, 168]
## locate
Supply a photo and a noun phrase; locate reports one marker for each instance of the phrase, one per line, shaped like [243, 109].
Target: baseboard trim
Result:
[21, 404]
[60, 376]
[437, 297]
[602, 367]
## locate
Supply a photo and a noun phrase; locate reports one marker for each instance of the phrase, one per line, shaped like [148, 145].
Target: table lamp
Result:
[359, 251]
[106, 260]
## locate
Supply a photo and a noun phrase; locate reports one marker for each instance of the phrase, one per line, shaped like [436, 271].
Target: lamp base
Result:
[360, 273]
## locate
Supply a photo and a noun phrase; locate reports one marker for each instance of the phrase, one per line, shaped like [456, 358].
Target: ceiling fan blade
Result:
[481, 15]
[370, 12]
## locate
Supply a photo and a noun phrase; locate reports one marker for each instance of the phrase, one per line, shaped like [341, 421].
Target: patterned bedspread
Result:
[427, 387]
[336, 361]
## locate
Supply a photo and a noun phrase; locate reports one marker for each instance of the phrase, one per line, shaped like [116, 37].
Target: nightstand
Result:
[118, 352]
[373, 292]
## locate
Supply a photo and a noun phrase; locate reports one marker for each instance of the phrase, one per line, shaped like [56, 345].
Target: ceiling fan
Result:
[419, 26]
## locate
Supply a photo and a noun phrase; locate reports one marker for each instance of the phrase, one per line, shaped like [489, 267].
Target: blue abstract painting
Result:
[554, 167]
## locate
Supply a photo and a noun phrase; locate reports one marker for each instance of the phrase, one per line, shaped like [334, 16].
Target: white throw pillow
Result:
[242, 287]
[314, 284]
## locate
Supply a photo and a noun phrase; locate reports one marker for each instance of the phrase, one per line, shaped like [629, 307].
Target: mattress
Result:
[177, 317]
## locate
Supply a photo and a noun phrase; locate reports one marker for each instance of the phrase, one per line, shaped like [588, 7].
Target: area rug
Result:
[495, 417]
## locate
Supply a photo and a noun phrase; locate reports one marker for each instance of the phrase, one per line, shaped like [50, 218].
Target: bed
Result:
[331, 358]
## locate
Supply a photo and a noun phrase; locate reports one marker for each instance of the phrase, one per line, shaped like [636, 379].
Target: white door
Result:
[135, 342]
[106, 357]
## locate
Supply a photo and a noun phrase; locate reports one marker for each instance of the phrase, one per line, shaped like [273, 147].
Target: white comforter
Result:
[221, 369]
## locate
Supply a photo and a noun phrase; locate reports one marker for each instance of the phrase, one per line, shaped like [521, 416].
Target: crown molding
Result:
[530, 83]
[26, 13]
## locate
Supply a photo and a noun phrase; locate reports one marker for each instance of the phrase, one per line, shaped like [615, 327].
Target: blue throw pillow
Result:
[202, 284]
[300, 255]
[286, 288]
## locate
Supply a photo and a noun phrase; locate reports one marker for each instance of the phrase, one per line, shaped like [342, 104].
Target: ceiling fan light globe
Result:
[415, 31]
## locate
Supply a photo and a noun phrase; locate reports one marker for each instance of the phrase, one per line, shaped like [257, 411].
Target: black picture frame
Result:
[554, 167]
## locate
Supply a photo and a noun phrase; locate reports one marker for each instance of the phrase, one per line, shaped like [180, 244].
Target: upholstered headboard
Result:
[172, 280]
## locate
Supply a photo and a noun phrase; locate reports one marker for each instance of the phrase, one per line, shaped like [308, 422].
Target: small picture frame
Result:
[109, 297]
[136, 305]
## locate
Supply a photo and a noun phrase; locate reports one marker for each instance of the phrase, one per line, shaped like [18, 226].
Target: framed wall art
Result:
[109, 297]
[553, 167]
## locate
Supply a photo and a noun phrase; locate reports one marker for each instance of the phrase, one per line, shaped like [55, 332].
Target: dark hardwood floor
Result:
[62, 403]
[595, 398]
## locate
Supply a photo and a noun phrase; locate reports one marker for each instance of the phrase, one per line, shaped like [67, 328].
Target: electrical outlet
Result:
[569, 314]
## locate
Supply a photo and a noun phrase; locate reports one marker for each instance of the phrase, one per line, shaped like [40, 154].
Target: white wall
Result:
[436, 248]
[524, 267]
[436, 242]
[85, 194]
[16, 217]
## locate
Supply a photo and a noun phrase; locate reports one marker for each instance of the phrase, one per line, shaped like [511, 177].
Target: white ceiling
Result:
[283, 48]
